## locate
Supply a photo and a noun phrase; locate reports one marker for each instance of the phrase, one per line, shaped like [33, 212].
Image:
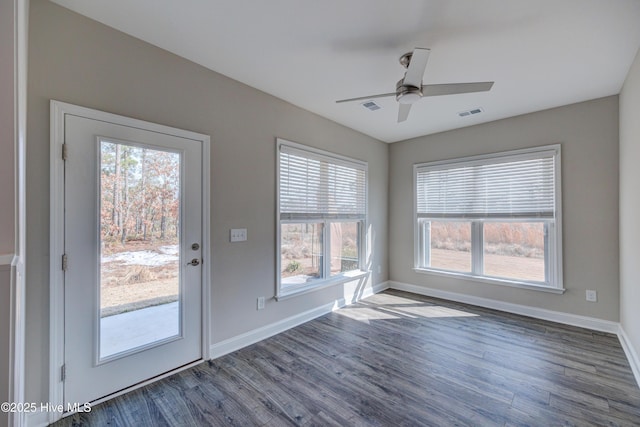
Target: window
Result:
[495, 218]
[322, 199]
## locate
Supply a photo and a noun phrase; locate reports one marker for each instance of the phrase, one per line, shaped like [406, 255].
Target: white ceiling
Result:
[540, 53]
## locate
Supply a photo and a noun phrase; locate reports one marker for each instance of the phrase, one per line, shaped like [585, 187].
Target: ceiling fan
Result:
[410, 89]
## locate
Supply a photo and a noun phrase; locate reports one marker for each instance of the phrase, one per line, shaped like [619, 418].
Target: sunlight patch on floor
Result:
[411, 308]
[435, 311]
[365, 314]
[400, 308]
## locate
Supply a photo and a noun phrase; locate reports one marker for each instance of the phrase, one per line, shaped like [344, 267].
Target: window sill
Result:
[492, 281]
[295, 291]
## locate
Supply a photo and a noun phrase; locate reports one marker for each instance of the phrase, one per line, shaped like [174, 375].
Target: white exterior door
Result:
[132, 255]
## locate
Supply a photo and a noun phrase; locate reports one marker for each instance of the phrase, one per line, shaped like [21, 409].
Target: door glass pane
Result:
[514, 250]
[301, 253]
[140, 247]
[450, 246]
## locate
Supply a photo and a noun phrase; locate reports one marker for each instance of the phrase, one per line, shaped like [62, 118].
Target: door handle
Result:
[194, 262]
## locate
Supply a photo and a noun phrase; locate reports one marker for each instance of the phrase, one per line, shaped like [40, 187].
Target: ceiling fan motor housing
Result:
[406, 59]
[406, 94]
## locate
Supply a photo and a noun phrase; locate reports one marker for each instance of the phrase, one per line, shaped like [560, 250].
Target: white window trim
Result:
[554, 259]
[327, 280]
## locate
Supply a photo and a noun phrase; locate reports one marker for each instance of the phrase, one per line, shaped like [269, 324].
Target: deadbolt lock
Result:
[195, 247]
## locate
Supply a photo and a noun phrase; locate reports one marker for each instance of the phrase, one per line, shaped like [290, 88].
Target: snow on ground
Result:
[169, 249]
[149, 258]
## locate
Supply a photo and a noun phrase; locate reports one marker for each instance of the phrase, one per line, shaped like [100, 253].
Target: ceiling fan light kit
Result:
[407, 94]
[410, 89]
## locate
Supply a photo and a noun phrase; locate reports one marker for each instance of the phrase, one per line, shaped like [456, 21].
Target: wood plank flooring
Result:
[397, 359]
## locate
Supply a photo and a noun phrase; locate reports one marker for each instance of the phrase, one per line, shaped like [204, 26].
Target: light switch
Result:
[238, 235]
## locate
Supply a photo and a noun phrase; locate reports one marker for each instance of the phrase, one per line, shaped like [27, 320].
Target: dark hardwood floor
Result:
[398, 359]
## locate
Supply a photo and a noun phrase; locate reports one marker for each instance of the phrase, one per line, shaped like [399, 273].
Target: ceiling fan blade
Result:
[417, 65]
[455, 88]
[362, 98]
[403, 112]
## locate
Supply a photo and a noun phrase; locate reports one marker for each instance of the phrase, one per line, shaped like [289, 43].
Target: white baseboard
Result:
[240, 341]
[538, 313]
[6, 261]
[630, 352]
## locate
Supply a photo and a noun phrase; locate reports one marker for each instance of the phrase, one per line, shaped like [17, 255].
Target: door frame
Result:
[58, 110]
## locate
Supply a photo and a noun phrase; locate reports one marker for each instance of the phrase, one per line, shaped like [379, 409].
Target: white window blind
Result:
[513, 186]
[317, 186]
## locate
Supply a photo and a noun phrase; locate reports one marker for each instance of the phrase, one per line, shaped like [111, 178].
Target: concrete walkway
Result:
[127, 331]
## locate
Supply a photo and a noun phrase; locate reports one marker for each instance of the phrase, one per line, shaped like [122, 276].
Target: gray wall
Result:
[7, 182]
[588, 133]
[7, 122]
[630, 205]
[76, 60]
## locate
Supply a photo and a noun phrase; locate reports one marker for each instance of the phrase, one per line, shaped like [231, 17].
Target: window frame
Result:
[553, 227]
[327, 279]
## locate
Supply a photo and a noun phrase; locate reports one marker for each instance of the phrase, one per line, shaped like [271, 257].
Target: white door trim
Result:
[56, 300]
[18, 307]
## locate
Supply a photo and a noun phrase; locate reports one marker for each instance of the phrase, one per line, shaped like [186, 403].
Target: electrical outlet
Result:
[238, 235]
[260, 303]
[592, 296]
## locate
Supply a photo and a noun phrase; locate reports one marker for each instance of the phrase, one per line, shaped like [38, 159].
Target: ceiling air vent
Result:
[471, 112]
[371, 105]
